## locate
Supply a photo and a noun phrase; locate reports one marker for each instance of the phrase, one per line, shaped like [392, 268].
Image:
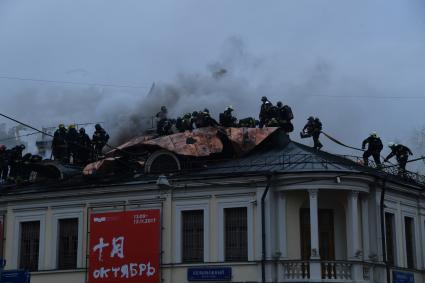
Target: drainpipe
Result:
[263, 230]
[384, 244]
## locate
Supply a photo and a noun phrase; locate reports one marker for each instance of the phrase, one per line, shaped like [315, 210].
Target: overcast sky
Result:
[301, 52]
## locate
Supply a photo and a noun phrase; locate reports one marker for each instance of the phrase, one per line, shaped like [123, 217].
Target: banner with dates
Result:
[124, 247]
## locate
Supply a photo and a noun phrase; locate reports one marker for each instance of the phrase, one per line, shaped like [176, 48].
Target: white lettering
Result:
[124, 271]
[115, 271]
[151, 270]
[118, 247]
[133, 269]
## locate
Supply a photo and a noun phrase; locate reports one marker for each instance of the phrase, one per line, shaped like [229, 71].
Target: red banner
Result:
[124, 247]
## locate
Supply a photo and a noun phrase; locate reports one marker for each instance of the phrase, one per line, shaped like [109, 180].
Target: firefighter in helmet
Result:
[401, 153]
[313, 128]
[374, 149]
[60, 145]
[227, 119]
[99, 140]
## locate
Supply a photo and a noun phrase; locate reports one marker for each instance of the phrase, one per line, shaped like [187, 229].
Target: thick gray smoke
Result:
[236, 78]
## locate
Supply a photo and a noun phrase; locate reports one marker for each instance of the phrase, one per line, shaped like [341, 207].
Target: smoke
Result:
[238, 78]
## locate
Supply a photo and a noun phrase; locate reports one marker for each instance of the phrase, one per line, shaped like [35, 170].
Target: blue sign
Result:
[15, 276]
[403, 277]
[209, 274]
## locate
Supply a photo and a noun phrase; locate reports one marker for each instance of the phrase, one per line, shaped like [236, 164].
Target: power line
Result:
[71, 82]
[367, 96]
[20, 136]
[26, 125]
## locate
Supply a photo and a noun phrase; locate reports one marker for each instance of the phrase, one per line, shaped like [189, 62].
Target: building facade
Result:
[281, 214]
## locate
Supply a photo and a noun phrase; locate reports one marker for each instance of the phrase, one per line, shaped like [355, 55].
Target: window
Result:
[29, 245]
[410, 241]
[389, 237]
[67, 243]
[236, 236]
[193, 235]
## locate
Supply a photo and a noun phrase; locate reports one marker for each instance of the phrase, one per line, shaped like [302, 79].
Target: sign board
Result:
[15, 276]
[403, 277]
[209, 274]
[124, 247]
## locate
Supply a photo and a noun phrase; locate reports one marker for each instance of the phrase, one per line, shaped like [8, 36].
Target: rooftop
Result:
[276, 153]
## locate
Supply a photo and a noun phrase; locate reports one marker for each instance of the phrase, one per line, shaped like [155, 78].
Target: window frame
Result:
[394, 235]
[235, 203]
[178, 227]
[415, 239]
[242, 257]
[201, 214]
[28, 217]
[66, 214]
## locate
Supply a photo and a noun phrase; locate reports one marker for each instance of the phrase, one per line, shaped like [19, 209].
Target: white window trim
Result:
[66, 214]
[235, 203]
[186, 206]
[422, 228]
[396, 235]
[416, 259]
[27, 217]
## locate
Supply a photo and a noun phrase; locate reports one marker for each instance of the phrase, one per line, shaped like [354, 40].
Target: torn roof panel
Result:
[246, 139]
[199, 143]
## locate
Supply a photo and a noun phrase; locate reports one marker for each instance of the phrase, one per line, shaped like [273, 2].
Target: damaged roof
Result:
[256, 151]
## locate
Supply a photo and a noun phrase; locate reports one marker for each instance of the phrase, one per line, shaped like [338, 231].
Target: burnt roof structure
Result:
[275, 154]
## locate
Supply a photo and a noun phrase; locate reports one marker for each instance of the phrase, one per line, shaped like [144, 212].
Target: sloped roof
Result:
[281, 155]
[288, 156]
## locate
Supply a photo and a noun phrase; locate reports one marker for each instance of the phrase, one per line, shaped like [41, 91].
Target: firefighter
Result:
[285, 116]
[72, 141]
[205, 120]
[249, 122]
[227, 119]
[187, 122]
[264, 111]
[99, 140]
[163, 114]
[59, 144]
[84, 147]
[313, 129]
[374, 149]
[4, 165]
[161, 117]
[401, 153]
[15, 162]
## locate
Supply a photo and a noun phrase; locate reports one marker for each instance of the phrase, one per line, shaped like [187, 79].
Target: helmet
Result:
[279, 104]
[163, 108]
[61, 126]
[391, 144]
[229, 108]
[72, 126]
[206, 111]
[374, 134]
[82, 130]
[264, 99]
[97, 126]
[311, 118]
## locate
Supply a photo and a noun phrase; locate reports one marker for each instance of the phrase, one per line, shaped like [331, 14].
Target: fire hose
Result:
[342, 144]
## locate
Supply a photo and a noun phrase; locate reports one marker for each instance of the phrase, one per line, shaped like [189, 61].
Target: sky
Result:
[330, 58]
